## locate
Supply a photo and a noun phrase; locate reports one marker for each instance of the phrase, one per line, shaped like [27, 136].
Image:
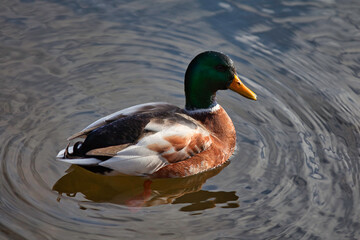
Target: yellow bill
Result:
[237, 86]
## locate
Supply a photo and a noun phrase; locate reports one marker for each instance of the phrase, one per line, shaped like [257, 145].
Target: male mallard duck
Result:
[161, 140]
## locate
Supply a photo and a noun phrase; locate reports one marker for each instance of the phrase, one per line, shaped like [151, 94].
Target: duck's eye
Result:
[220, 68]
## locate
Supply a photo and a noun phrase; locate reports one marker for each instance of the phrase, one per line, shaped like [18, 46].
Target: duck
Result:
[161, 140]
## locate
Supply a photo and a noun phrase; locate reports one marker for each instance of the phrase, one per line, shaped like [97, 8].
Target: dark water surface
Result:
[295, 173]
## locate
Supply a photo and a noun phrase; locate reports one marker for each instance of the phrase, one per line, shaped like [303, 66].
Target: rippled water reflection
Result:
[295, 173]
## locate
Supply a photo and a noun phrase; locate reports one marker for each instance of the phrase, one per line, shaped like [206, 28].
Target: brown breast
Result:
[223, 145]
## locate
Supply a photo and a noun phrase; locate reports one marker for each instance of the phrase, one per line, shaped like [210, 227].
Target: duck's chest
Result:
[218, 124]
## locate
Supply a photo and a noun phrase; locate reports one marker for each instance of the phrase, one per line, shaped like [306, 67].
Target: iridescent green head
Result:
[208, 72]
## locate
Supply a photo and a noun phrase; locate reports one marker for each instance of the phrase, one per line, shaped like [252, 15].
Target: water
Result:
[295, 173]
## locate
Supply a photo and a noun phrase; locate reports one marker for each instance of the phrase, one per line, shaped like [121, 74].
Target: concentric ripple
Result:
[294, 174]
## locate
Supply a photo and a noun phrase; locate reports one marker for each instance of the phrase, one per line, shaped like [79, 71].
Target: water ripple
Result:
[294, 174]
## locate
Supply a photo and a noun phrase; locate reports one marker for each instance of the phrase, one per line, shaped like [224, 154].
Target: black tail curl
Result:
[76, 152]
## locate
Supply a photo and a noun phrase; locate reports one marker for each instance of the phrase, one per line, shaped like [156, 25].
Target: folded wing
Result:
[139, 142]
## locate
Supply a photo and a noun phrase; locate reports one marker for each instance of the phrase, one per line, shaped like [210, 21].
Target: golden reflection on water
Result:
[140, 192]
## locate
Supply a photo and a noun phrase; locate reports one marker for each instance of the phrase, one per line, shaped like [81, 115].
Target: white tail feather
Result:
[81, 161]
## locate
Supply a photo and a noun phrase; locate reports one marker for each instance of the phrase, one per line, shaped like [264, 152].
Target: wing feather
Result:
[137, 109]
[167, 137]
[107, 151]
[172, 143]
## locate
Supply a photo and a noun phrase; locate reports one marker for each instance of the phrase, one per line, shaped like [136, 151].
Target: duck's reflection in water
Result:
[141, 192]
